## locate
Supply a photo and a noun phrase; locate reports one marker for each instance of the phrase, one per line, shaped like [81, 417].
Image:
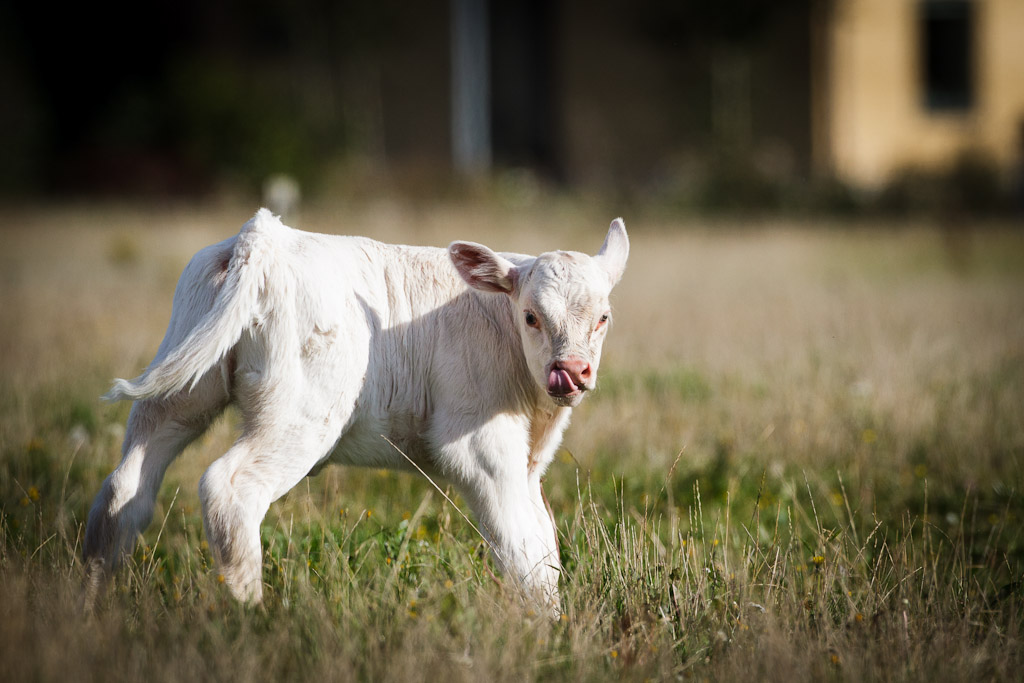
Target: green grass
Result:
[803, 462]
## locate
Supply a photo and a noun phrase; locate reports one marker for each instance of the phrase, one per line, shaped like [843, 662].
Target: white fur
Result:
[335, 348]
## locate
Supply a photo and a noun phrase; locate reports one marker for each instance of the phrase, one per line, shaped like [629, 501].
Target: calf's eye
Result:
[531, 319]
[602, 320]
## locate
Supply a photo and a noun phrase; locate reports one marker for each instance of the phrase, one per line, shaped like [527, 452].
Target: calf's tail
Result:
[235, 307]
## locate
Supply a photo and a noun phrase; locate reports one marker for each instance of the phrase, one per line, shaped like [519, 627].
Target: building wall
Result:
[878, 123]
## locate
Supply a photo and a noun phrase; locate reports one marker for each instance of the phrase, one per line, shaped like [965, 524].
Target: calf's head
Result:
[560, 300]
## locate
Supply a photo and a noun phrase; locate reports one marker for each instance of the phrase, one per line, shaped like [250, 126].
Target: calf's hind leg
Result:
[157, 432]
[238, 488]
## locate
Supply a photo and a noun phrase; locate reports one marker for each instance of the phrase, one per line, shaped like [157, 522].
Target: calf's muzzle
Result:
[569, 376]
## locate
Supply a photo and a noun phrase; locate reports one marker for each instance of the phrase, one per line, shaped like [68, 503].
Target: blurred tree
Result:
[730, 38]
[22, 118]
[179, 96]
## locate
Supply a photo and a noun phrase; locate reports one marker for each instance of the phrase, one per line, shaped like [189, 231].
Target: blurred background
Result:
[790, 105]
[818, 353]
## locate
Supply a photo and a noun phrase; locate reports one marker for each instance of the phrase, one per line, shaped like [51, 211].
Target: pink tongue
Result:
[560, 383]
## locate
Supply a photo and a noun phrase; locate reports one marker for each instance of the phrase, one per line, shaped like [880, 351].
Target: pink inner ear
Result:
[488, 280]
[481, 270]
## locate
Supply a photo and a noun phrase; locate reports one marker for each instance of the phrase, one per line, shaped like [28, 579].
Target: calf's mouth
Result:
[561, 383]
[564, 388]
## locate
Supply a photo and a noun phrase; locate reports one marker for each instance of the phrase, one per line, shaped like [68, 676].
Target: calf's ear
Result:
[614, 252]
[482, 269]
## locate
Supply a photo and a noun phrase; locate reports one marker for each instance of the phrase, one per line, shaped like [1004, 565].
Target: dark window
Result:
[947, 41]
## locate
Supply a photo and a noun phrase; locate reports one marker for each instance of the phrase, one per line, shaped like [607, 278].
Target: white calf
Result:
[344, 349]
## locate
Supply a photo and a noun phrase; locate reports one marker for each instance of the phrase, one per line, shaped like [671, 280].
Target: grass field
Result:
[803, 462]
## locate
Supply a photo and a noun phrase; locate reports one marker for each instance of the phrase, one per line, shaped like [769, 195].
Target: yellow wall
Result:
[877, 123]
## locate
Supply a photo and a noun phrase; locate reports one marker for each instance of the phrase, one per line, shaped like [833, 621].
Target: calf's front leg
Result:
[516, 524]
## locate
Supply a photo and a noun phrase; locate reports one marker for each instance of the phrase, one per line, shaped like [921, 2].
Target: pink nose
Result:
[568, 376]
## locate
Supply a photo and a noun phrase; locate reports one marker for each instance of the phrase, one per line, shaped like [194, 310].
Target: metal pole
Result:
[471, 87]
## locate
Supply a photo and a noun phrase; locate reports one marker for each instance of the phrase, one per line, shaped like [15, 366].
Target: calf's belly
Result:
[371, 442]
